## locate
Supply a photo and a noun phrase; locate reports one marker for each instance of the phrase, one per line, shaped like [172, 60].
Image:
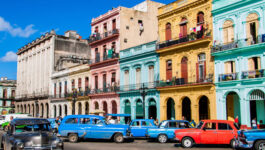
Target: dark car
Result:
[31, 133]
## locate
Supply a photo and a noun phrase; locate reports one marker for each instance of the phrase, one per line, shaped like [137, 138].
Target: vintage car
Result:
[139, 127]
[165, 130]
[75, 127]
[5, 119]
[30, 133]
[208, 132]
[254, 139]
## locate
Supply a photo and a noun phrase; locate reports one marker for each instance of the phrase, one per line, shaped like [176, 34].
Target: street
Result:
[136, 145]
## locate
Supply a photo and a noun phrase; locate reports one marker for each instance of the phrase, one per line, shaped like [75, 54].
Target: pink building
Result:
[118, 29]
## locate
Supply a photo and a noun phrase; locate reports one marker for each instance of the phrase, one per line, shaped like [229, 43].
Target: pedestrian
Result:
[9, 126]
[236, 120]
[156, 121]
[183, 118]
[254, 123]
[192, 123]
[57, 123]
[111, 120]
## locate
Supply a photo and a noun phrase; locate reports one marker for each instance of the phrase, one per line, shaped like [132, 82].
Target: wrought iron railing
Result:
[253, 74]
[238, 43]
[133, 87]
[105, 57]
[97, 36]
[228, 77]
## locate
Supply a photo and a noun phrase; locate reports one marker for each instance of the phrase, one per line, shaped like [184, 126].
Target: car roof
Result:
[143, 120]
[29, 121]
[84, 116]
[177, 120]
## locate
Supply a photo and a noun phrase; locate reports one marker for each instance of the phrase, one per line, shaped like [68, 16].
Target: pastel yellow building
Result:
[186, 66]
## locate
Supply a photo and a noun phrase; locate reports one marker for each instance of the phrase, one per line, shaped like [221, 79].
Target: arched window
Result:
[252, 26]
[86, 83]
[96, 105]
[168, 31]
[79, 84]
[200, 18]
[183, 28]
[200, 24]
[228, 32]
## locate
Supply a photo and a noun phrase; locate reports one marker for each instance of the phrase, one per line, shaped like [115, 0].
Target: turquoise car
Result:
[75, 127]
[252, 139]
[166, 130]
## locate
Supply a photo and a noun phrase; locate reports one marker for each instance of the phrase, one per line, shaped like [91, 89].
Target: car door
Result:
[170, 130]
[70, 125]
[99, 129]
[209, 133]
[136, 128]
[145, 124]
[84, 127]
[225, 133]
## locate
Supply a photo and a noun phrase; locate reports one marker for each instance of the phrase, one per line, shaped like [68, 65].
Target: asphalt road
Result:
[136, 145]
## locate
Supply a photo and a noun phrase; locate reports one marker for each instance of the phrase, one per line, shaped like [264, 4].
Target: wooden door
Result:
[184, 69]
[168, 32]
[169, 70]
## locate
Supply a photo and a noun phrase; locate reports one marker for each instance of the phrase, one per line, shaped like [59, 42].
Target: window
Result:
[71, 121]
[228, 32]
[200, 18]
[136, 123]
[113, 24]
[4, 93]
[126, 77]
[86, 83]
[13, 93]
[105, 27]
[168, 31]
[96, 121]
[85, 121]
[224, 126]
[104, 81]
[201, 67]
[113, 46]
[96, 29]
[96, 82]
[79, 84]
[169, 69]
[254, 63]
[173, 125]
[210, 126]
[60, 89]
[230, 67]
[65, 87]
[96, 105]
[200, 23]
[141, 26]
[252, 25]
[146, 123]
[183, 28]
[184, 125]
[54, 89]
[151, 74]
[73, 84]
[138, 77]
[113, 78]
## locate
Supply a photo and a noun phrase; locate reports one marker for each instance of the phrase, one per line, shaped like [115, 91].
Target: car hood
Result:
[187, 130]
[37, 138]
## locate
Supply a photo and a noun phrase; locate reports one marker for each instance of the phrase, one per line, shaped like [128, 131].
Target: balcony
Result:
[238, 44]
[190, 37]
[135, 87]
[253, 74]
[228, 77]
[105, 57]
[97, 37]
[8, 98]
[183, 82]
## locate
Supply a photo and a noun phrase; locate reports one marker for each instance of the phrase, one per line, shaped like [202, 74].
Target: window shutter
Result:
[197, 72]
[204, 75]
[234, 67]
[259, 65]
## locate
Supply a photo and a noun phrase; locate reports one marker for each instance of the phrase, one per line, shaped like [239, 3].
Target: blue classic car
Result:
[139, 127]
[165, 130]
[254, 139]
[75, 127]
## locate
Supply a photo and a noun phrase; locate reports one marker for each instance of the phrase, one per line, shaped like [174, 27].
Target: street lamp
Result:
[143, 93]
[74, 100]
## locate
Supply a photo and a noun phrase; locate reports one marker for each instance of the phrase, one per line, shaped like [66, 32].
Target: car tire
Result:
[73, 137]
[118, 138]
[233, 143]
[162, 138]
[259, 145]
[187, 142]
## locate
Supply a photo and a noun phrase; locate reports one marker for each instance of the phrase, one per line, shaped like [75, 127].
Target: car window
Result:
[163, 124]
[85, 121]
[184, 125]
[199, 126]
[136, 123]
[224, 126]
[97, 121]
[71, 121]
[210, 126]
[29, 128]
[146, 123]
[236, 126]
[173, 125]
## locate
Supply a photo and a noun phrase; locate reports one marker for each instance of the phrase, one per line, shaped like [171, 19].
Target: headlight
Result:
[20, 145]
[60, 144]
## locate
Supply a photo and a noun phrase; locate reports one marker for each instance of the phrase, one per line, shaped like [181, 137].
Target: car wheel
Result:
[73, 138]
[118, 138]
[260, 145]
[162, 138]
[187, 142]
[233, 143]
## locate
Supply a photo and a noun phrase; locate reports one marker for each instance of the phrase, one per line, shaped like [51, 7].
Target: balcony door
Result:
[183, 28]
[168, 31]
[169, 70]
[104, 82]
[184, 69]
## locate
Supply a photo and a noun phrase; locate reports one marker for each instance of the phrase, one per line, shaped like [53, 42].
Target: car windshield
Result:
[30, 128]
[162, 124]
[236, 126]
[199, 126]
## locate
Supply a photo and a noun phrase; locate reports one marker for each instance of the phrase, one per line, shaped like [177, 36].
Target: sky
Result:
[22, 21]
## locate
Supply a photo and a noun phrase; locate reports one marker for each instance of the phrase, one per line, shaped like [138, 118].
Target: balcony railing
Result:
[238, 43]
[190, 37]
[134, 87]
[105, 57]
[228, 77]
[182, 81]
[8, 98]
[253, 74]
[97, 36]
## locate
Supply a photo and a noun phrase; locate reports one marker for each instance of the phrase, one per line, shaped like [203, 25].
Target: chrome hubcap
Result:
[187, 143]
[119, 138]
[262, 146]
[73, 138]
[162, 138]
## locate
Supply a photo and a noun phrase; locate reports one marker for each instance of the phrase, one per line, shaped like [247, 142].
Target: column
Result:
[133, 110]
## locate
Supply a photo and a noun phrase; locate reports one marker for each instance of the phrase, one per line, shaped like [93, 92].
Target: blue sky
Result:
[21, 21]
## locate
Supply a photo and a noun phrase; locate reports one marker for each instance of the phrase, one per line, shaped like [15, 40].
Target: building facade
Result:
[37, 61]
[139, 66]
[118, 29]
[186, 65]
[7, 95]
[239, 54]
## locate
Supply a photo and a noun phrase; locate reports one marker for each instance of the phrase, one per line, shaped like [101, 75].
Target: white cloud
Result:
[9, 57]
[16, 31]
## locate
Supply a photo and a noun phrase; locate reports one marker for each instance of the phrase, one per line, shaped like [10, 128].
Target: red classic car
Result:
[208, 132]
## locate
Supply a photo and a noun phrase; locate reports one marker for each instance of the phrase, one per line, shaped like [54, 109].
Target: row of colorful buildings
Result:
[201, 59]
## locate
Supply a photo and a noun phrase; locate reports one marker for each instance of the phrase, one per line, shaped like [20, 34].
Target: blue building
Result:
[139, 68]
[239, 54]
[7, 95]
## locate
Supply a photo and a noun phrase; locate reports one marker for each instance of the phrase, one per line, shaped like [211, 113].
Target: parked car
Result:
[139, 127]
[165, 130]
[208, 132]
[6, 119]
[254, 139]
[30, 133]
[75, 127]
